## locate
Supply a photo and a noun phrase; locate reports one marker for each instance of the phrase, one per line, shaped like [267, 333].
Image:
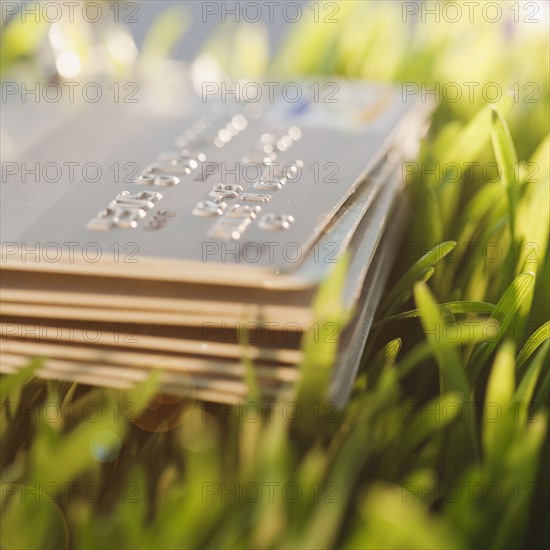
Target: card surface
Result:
[251, 195]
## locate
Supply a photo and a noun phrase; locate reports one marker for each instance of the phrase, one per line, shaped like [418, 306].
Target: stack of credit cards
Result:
[190, 235]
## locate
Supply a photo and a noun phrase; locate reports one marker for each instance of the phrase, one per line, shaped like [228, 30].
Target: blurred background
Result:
[427, 43]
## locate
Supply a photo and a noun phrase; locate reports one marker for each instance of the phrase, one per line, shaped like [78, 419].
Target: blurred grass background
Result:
[395, 468]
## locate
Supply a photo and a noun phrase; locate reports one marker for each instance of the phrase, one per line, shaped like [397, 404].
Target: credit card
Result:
[254, 203]
[204, 258]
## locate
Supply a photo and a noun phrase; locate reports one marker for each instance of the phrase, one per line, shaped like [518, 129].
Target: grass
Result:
[444, 442]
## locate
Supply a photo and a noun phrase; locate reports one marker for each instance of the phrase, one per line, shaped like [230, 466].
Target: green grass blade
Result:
[384, 359]
[320, 346]
[460, 307]
[508, 162]
[474, 136]
[500, 390]
[14, 381]
[526, 388]
[452, 375]
[250, 377]
[541, 335]
[504, 313]
[402, 290]
[424, 425]
[392, 518]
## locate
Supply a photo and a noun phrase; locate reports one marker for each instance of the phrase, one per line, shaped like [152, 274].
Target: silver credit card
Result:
[177, 229]
[227, 197]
